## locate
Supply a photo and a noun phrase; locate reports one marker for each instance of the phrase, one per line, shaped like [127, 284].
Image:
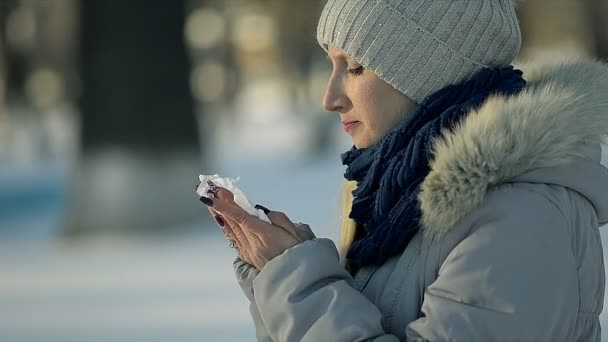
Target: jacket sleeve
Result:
[305, 294]
[513, 278]
[245, 273]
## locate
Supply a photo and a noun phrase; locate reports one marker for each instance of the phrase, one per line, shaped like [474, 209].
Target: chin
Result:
[360, 145]
[363, 138]
[363, 143]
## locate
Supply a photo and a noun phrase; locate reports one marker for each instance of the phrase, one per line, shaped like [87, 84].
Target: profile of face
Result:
[372, 106]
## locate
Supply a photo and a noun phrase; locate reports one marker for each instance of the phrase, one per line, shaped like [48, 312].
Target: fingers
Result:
[221, 201]
[217, 191]
[233, 215]
[231, 211]
[304, 231]
[233, 231]
[225, 194]
[280, 219]
[236, 235]
[224, 226]
[229, 227]
[216, 216]
[276, 217]
[221, 193]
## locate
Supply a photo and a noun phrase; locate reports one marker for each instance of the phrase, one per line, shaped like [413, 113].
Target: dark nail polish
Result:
[219, 220]
[207, 201]
[266, 210]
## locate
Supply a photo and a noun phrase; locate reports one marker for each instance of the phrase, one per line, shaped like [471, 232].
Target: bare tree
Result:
[140, 144]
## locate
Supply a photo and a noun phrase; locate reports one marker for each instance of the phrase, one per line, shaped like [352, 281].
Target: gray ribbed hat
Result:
[421, 46]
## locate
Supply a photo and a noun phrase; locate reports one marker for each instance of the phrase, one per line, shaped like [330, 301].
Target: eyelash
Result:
[356, 71]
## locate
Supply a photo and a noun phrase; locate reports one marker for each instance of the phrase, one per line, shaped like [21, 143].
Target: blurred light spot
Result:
[254, 32]
[270, 99]
[557, 52]
[208, 81]
[44, 87]
[204, 28]
[21, 29]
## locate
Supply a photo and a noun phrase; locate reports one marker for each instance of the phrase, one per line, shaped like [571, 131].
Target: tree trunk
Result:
[140, 145]
[135, 76]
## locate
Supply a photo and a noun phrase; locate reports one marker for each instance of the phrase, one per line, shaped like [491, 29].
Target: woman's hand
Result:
[257, 241]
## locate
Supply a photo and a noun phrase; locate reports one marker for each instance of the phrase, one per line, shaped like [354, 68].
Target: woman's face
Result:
[362, 97]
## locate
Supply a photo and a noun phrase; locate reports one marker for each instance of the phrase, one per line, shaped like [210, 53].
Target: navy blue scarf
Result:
[389, 173]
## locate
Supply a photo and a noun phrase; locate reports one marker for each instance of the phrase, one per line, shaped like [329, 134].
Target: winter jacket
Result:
[509, 248]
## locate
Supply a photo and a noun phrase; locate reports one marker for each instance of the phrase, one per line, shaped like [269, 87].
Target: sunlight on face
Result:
[360, 96]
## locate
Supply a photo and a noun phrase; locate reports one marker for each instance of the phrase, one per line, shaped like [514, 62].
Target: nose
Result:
[334, 100]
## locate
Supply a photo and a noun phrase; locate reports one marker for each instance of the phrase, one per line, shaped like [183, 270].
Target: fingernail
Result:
[211, 194]
[266, 210]
[207, 201]
[219, 220]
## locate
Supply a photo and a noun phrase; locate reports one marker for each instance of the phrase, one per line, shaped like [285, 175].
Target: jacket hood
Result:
[551, 132]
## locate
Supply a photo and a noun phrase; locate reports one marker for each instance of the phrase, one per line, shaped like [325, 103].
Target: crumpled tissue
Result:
[230, 184]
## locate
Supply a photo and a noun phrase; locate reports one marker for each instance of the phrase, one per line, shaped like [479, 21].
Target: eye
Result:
[355, 71]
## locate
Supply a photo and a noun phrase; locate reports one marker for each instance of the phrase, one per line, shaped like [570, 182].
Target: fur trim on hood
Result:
[563, 107]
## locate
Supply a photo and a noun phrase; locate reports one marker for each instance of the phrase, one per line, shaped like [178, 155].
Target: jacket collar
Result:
[562, 111]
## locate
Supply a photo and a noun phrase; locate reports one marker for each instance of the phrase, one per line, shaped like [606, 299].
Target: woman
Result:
[473, 197]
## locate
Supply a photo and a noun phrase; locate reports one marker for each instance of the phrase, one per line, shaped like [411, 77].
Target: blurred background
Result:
[109, 111]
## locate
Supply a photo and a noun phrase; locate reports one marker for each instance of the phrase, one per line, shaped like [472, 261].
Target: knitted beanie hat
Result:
[421, 46]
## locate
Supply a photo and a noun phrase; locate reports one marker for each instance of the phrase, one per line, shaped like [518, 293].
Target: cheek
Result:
[384, 106]
[368, 105]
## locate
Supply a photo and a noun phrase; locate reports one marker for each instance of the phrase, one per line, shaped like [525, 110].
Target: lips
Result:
[349, 125]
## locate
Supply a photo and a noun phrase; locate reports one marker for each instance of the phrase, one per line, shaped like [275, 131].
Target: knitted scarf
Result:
[389, 173]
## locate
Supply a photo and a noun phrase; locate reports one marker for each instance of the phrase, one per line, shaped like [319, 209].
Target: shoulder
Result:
[503, 266]
[531, 218]
[508, 136]
[516, 212]
[523, 206]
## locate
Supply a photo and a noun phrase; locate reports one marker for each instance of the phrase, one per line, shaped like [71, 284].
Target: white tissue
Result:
[230, 184]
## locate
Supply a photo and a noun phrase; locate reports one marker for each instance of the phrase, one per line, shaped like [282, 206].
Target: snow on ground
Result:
[180, 289]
